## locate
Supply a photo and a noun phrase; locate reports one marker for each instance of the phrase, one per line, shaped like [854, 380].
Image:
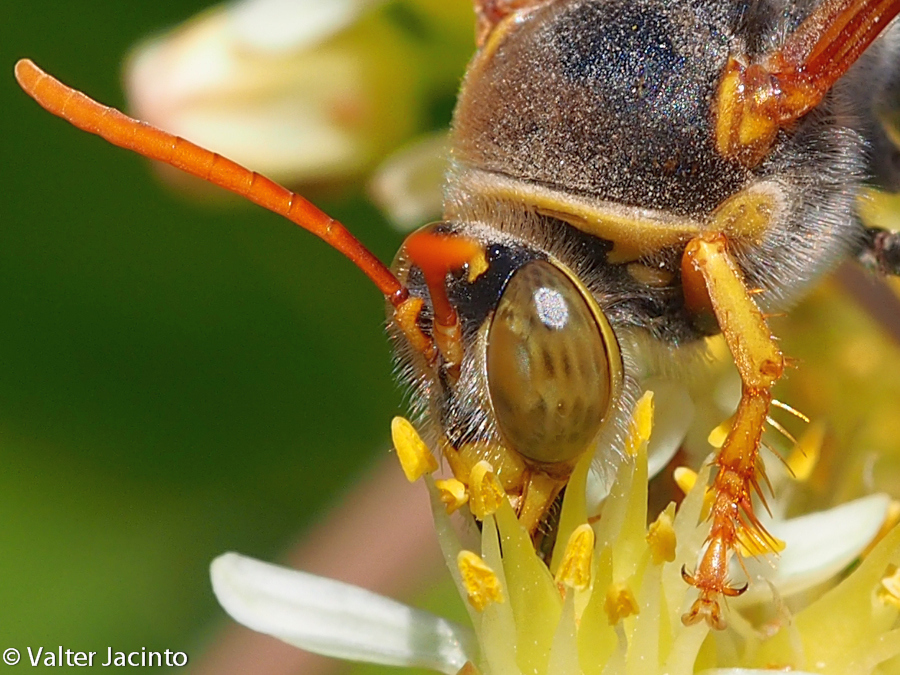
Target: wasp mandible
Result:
[627, 179]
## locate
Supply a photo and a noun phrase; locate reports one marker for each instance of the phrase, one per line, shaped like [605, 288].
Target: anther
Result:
[453, 493]
[661, 539]
[415, 457]
[480, 581]
[620, 603]
[641, 424]
[575, 569]
[485, 492]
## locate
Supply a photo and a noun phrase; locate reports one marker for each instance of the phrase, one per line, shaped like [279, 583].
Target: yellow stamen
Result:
[686, 479]
[415, 457]
[805, 455]
[889, 593]
[575, 569]
[478, 265]
[717, 436]
[661, 537]
[481, 583]
[453, 493]
[485, 492]
[641, 424]
[620, 603]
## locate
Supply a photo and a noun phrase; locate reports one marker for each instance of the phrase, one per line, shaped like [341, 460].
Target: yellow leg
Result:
[714, 283]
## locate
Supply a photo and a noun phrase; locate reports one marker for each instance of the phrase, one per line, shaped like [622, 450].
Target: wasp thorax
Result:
[547, 366]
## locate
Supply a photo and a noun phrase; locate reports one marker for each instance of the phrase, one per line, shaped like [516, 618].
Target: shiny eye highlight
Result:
[551, 365]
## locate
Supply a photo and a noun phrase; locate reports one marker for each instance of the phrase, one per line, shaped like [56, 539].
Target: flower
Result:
[304, 91]
[612, 597]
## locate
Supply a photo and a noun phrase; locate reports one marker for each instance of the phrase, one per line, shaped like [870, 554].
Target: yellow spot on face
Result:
[641, 424]
[415, 457]
[485, 492]
[575, 568]
[477, 265]
[661, 538]
[620, 603]
[889, 592]
[805, 455]
[453, 493]
[481, 583]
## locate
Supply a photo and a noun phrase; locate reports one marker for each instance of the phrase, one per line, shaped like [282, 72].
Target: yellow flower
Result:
[612, 597]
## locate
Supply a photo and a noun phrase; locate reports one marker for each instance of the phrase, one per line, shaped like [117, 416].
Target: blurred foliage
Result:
[176, 379]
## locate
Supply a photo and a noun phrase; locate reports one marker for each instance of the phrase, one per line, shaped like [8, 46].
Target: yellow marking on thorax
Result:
[635, 232]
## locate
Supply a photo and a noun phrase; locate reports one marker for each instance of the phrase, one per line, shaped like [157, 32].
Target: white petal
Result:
[281, 25]
[279, 114]
[408, 186]
[673, 414]
[819, 545]
[336, 619]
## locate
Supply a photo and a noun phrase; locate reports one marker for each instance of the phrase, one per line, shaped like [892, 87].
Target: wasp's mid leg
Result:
[881, 251]
[714, 285]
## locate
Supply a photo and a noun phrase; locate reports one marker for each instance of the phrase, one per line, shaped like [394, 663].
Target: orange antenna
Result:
[144, 139]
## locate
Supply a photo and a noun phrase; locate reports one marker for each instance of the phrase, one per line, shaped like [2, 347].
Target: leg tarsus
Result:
[709, 267]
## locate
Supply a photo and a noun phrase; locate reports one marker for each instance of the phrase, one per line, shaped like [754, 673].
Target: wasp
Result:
[627, 179]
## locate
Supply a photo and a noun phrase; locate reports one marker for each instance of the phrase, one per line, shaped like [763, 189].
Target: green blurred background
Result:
[179, 379]
[176, 380]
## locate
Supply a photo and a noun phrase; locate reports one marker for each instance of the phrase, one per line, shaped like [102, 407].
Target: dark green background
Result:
[176, 380]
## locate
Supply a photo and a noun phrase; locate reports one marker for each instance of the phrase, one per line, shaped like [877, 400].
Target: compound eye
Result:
[548, 365]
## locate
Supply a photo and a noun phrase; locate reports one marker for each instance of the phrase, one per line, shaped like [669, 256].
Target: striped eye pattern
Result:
[548, 365]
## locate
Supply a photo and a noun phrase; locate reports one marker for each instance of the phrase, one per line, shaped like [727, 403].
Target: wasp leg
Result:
[713, 282]
[756, 100]
[881, 251]
[489, 13]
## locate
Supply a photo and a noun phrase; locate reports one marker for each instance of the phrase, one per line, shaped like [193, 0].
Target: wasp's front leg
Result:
[714, 285]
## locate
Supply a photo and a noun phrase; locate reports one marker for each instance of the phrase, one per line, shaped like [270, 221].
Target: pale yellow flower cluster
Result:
[612, 598]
